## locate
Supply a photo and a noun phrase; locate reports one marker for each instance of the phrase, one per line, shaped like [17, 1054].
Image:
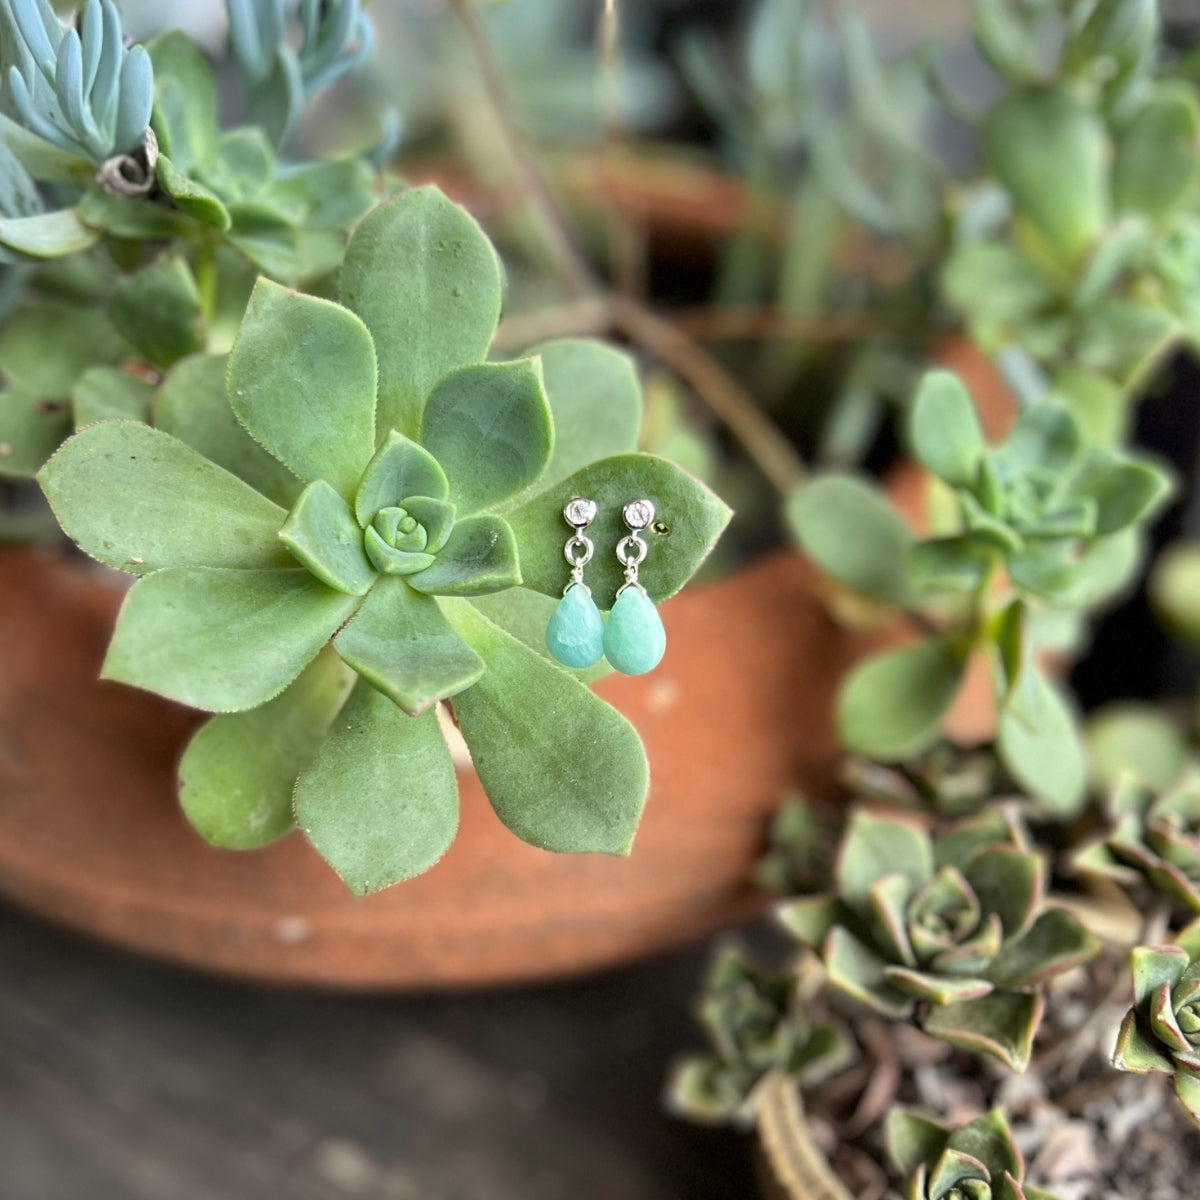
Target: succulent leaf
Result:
[426, 282]
[211, 637]
[239, 770]
[380, 802]
[302, 379]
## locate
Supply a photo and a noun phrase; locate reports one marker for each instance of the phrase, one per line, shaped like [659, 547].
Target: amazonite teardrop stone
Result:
[575, 635]
[634, 638]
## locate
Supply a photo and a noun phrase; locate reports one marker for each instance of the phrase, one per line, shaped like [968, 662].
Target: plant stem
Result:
[725, 397]
[731, 403]
[569, 260]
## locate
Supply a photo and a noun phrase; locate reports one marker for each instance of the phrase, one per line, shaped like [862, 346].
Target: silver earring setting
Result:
[575, 635]
[634, 637]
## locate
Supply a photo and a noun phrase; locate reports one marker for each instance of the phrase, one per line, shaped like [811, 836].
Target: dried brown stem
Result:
[569, 260]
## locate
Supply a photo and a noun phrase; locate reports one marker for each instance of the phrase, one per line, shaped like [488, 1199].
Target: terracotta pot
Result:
[91, 835]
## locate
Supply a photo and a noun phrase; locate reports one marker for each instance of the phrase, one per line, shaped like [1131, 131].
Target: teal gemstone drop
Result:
[575, 635]
[634, 638]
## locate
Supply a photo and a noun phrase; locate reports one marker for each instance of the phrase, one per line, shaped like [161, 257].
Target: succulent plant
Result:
[954, 929]
[759, 1026]
[79, 89]
[802, 845]
[1161, 1032]
[976, 1161]
[335, 36]
[1072, 252]
[1154, 836]
[430, 480]
[1060, 522]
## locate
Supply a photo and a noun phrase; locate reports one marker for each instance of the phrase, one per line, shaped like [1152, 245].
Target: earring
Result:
[634, 638]
[575, 635]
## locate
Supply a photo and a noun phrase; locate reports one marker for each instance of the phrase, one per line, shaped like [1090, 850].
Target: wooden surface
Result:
[121, 1079]
[91, 835]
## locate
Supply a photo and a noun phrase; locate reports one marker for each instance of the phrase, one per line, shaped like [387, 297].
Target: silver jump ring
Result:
[631, 551]
[579, 551]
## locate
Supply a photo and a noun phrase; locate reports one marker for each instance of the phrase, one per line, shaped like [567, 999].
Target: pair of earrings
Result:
[633, 638]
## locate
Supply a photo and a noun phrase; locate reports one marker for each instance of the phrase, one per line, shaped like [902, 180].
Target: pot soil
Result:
[91, 835]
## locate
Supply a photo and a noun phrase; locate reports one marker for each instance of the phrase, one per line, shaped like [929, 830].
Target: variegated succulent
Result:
[1154, 837]
[977, 1161]
[758, 1025]
[955, 929]
[1161, 1032]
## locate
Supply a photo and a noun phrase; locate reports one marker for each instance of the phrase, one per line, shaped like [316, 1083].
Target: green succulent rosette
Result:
[977, 1161]
[1154, 837]
[1161, 1032]
[365, 521]
[1060, 521]
[955, 928]
[759, 1026]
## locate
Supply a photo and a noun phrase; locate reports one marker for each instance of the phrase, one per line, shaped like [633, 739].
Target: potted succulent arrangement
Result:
[985, 928]
[261, 388]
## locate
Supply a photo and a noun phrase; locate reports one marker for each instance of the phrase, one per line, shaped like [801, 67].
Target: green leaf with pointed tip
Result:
[1001, 1024]
[810, 918]
[875, 846]
[857, 970]
[596, 401]
[1187, 1092]
[526, 615]
[436, 518]
[425, 279]
[912, 1139]
[380, 804]
[1051, 153]
[489, 426]
[44, 348]
[31, 430]
[1055, 942]
[158, 310]
[689, 520]
[110, 394]
[191, 198]
[393, 561]
[852, 533]
[891, 705]
[47, 235]
[399, 469]
[1045, 756]
[240, 169]
[1097, 403]
[1152, 966]
[1137, 1052]
[1007, 881]
[548, 791]
[322, 534]
[989, 1139]
[239, 770]
[140, 500]
[480, 557]
[185, 117]
[937, 989]
[222, 640]
[944, 429]
[193, 405]
[402, 644]
[302, 381]
[1156, 161]
[1125, 492]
